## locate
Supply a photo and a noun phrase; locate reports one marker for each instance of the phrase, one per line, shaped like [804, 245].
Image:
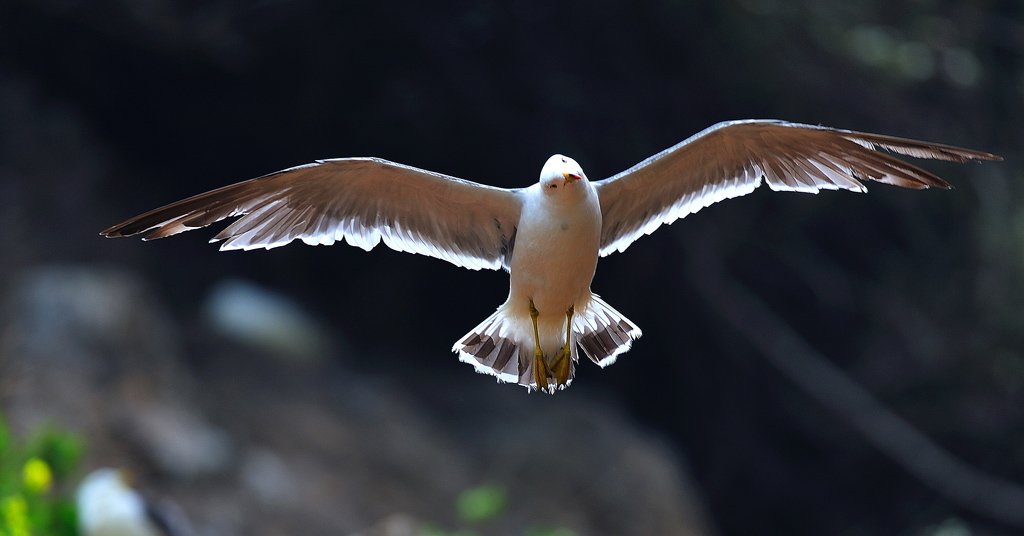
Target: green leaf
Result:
[481, 503]
[558, 531]
[5, 435]
[63, 519]
[31, 502]
[61, 450]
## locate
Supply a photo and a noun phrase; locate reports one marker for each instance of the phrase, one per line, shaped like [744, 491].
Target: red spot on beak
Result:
[569, 177]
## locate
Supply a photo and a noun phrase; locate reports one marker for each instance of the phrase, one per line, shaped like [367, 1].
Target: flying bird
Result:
[547, 236]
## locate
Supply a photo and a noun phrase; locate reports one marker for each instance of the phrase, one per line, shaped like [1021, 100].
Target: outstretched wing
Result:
[730, 159]
[361, 200]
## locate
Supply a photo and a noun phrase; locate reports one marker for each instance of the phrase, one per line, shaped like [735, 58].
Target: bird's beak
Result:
[569, 177]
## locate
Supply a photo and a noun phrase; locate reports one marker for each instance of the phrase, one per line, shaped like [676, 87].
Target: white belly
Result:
[553, 263]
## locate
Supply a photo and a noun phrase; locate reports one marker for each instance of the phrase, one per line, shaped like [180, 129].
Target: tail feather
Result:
[604, 333]
[492, 353]
[504, 347]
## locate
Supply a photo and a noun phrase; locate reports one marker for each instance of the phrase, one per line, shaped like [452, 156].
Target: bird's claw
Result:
[561, 366]
[540, 364]
[540, 371]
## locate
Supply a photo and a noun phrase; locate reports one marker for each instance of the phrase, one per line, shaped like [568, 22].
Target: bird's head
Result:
[561, 174]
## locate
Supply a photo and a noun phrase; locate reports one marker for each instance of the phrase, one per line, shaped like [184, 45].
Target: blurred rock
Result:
[261, 318]
[621, 480]
[395, 525]
[344, 452]
[75, 314]
[178, 441]
[323, 451]
[95, 350]
[266, 475]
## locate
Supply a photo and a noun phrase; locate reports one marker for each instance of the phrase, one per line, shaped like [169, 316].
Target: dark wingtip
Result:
[967, 155]
[120, 230]
[111, 232]
[958, 154]
[940, 183]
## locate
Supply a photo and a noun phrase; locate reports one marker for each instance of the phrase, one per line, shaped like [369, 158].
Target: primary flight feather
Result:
[549, 235]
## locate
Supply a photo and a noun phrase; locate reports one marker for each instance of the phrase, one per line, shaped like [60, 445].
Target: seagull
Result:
[547, 236]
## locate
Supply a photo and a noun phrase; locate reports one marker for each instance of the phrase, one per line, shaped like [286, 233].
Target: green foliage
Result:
[558, 531]
[484, 503]
[481, 503]
[30, 476]
[61, 450]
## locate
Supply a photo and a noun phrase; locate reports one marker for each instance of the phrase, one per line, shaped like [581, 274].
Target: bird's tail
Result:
[503, 345]
[603, 332]
[493, 348]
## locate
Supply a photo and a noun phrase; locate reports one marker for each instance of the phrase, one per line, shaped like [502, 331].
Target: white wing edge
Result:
[354, 234]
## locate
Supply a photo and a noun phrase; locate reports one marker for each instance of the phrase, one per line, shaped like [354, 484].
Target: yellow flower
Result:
[37, 476]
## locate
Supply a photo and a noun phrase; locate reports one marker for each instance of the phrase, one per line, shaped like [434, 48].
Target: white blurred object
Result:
[180, 442]
[268, 320]
[108, 506]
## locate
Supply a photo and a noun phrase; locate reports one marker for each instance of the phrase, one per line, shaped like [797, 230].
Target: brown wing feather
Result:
[730, 159]
[360, 200]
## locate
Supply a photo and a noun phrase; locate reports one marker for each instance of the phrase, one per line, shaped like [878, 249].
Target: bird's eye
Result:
[552, 185]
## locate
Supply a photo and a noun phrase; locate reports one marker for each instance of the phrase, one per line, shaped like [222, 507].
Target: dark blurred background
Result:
[110, 108]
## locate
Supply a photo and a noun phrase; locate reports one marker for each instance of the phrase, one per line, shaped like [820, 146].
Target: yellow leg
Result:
[562, 364]
[540, 365]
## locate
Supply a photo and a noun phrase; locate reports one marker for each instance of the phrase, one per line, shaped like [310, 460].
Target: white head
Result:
[561, 174]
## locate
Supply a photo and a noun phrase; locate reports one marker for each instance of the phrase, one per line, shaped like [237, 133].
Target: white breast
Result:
[556, 250]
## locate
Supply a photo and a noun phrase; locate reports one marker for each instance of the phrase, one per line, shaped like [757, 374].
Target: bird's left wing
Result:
[361, 200]
[730, 159]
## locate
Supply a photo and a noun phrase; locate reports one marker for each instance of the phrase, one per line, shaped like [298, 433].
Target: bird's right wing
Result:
[730, 159]
[361, 200]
